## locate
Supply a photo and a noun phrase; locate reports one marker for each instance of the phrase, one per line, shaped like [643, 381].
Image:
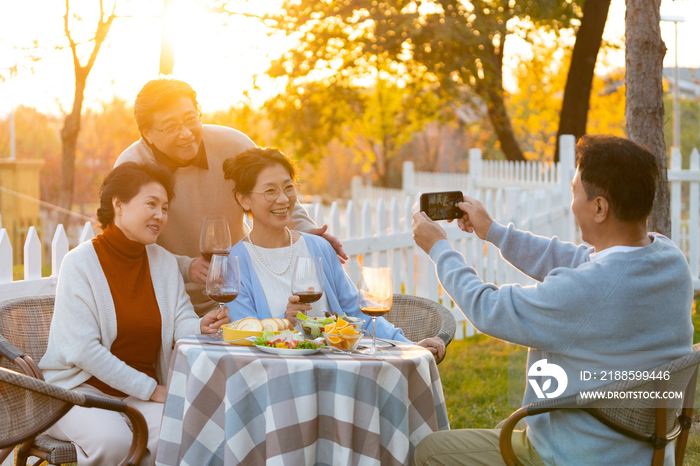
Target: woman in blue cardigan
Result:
[265, 188]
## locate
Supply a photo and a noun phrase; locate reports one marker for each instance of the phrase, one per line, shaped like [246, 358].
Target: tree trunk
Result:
[501, 122]
[71, 125]
[644, 111]
[490, 88]
[167, 43]
[574, 109]
[69, 139]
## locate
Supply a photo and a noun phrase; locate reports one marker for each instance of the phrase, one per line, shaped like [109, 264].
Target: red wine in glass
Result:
[223, 296]
[309, 296]
[207, 254]
[215, 236]
[307, 279]
[223, 281]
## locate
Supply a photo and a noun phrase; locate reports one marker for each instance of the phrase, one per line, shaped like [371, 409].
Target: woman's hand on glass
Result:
[294, 307]
[198, 270]
[159, 394]
[435, 345]
[213, 320]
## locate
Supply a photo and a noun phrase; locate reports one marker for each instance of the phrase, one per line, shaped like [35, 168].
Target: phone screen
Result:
[443, 205]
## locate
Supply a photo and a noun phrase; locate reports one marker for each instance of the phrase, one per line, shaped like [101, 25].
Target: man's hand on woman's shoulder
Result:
[335, 242]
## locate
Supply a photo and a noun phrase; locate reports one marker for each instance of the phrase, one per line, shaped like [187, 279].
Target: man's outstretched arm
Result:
[535, 256]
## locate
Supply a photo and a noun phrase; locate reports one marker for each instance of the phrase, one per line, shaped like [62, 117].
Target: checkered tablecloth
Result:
[232, 404]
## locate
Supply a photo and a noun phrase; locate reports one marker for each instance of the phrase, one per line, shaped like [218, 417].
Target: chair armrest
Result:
[8, 350]
[21, 360]
[504, 439]
[70, 398]
[449, 325]
[138, 425]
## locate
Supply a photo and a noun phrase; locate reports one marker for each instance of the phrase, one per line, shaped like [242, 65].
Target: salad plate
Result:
[288, 351]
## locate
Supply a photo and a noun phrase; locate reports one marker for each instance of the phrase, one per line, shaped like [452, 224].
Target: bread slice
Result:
[250, 323]
[280, 323]
[270, 325]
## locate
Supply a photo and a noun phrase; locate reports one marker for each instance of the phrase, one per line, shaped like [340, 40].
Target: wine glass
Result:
[223, 281]
[375, 297]
[215, 236]
[307, 280]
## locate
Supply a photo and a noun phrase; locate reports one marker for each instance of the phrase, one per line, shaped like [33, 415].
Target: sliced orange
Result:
[341, 323]
[329, 327]
[348, 330]
[334, 340]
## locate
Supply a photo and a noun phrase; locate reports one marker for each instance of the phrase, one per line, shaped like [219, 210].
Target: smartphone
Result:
[443, 205]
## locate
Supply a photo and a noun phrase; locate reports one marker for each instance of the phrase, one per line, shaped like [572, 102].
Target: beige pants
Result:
[103, 437]
[473, 447]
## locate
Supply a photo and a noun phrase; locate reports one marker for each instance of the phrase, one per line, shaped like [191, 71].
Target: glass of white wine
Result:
[375, 297]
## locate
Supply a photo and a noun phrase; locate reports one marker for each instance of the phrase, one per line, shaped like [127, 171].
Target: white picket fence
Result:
[381, 235]
[483, 174]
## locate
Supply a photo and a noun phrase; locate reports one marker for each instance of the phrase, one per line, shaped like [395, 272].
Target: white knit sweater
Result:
[84, 323]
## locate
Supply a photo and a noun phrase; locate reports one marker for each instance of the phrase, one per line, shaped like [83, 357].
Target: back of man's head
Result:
[621, 171]
[157, 94]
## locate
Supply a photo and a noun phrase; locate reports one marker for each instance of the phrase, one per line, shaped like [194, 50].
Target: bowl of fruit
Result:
[313, 327]
[342, 334]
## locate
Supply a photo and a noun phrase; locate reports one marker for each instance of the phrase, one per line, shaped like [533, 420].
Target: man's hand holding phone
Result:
[475, 219]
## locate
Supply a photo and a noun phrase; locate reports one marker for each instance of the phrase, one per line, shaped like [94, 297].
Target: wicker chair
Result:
[24, 333]
[657, 422]
[29, 406]
[421, 318]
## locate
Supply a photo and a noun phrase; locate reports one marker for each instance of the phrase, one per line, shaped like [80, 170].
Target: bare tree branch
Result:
[71, 42]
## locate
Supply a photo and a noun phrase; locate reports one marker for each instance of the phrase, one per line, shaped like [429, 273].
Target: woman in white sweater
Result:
[120, 306]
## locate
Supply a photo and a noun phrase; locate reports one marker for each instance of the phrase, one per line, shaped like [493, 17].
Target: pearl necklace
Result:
[291, 253]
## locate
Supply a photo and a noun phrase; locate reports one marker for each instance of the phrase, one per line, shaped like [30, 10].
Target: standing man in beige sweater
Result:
[172, 135]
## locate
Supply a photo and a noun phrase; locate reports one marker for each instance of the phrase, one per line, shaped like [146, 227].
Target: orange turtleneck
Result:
[125, 265]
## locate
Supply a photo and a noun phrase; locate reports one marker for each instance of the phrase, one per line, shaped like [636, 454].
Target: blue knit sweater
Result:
[341, 292]
[630, 311]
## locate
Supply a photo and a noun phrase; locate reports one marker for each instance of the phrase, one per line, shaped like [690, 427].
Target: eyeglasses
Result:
[175, 129]
[272, 194]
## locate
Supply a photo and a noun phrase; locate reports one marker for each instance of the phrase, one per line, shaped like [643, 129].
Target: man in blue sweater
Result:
[624, 303]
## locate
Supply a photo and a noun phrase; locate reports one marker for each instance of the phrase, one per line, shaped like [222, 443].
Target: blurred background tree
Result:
[71, 123]
[577, 93]
[456, 44]
[541, 79]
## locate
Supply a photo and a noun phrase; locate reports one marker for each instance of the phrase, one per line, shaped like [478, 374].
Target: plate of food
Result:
[287, 343]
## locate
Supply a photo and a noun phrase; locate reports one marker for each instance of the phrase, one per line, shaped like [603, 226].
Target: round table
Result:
[230, 404]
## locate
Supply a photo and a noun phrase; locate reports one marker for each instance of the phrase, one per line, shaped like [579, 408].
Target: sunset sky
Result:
[217, 56]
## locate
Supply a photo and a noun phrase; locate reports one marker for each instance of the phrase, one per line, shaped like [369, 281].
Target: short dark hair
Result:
[621, 171]
[125, 181]
[157, 94]
[246, 166]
